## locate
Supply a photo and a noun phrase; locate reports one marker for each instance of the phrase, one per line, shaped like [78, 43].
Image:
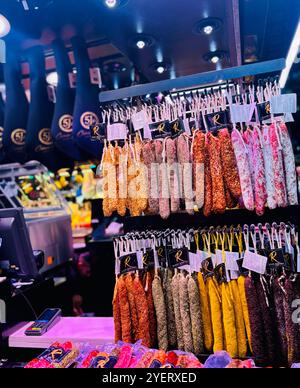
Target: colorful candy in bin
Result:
[125, 355]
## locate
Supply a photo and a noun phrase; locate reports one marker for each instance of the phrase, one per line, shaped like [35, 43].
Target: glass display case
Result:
[47, 213]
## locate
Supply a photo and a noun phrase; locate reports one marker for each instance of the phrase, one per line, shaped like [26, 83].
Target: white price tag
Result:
[117, 131]
[147, 132]
[196, 260]
[298, 262]
[241, 113]
[231, 258]
[139, 256]
[192, 261]
[139, 120]
[284, 103]
[186, 125]
[255, 262]
[117, 266]
[219, 257]
[202, 255]
[288, 118]
[214, 259]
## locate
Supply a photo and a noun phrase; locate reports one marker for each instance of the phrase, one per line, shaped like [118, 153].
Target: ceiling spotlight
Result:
[160, 69]
[4, 26]
[214, 59]
[220, 81]
[208, 30]
[207, 26]
[215, 56]
[141, 44]
[111, 3]
[141, 41]
[52, 78]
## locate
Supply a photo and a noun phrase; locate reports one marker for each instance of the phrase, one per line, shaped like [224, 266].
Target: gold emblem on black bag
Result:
[45, 137]
[66, 123]
[88, 119]
[18, 136]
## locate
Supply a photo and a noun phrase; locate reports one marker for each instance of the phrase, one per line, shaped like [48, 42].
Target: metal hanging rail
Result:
[194, 80]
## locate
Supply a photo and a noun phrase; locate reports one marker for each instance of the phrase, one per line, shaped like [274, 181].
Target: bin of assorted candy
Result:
[124, 355]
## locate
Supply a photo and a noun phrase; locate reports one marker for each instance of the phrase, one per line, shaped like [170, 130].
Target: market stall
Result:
[158, 227]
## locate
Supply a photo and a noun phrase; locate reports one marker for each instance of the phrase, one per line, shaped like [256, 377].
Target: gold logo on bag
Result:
[66, 123]
[145, 258]
[127, 262]
[101, 363]
[45, 136]
[56, 353]
[268, 108]
[216, 119]
[176, 126]
[88, 119]
[18, 136]
[95, 131]
[161, 128]
[273, 257]
[178, 256]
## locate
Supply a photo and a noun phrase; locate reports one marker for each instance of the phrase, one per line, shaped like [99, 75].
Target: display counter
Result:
[95, 331]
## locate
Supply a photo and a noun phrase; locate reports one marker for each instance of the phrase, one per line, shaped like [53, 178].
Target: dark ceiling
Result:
[250, 30]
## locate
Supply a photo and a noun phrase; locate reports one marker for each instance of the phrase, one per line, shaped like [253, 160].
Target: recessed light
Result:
[4, 26]
[207, 26]
[141, 44]
[141, 41]
[215, 56]
[111, 3]
[160, 69]
[208, 30]
[214, 59]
